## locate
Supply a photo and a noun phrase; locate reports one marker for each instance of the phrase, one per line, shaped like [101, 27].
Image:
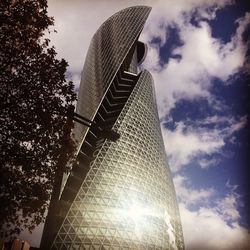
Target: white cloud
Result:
[201, 57]
[195, 141]
[227, 207]
[238, 125]
[189, 195]
[212, 225]
[205, 163]
[206, 229]
[184, 144]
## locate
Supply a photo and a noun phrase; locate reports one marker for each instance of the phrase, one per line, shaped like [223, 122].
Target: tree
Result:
[35, 99]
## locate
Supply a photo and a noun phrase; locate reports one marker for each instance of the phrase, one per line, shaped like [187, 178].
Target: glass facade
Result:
[107, 51]
[120, 193]
[127, 200]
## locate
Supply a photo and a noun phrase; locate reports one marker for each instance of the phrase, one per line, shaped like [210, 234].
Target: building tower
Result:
[120, 193]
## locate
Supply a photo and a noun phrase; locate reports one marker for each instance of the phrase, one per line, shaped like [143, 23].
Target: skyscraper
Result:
[120, 194]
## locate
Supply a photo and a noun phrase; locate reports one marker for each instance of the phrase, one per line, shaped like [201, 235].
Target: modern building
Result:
[120, 193]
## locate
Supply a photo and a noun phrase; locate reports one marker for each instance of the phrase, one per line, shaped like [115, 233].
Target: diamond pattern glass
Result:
[127, 200]
[108, 49]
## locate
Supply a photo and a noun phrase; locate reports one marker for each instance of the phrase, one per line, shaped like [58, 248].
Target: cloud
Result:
[197, 140]
[212, 225]
[189, 195]
[201, 57]
[207, 229]
[205, 163]
[227, 207]
[238, 125]
[184, 144]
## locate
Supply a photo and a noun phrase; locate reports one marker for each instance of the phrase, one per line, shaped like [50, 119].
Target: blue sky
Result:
[198, 56]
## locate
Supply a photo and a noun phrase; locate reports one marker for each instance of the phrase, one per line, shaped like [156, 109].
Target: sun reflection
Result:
[138, 212]
[142, 217]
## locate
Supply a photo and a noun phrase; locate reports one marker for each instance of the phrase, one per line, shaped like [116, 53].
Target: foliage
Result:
[34, 128]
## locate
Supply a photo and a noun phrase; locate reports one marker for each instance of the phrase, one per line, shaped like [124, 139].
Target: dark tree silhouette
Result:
[35, 100]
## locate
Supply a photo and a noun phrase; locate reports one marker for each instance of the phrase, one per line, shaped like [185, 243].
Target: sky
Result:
[199, 58]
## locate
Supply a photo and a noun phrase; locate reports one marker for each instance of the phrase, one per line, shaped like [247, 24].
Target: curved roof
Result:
[108, 49]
